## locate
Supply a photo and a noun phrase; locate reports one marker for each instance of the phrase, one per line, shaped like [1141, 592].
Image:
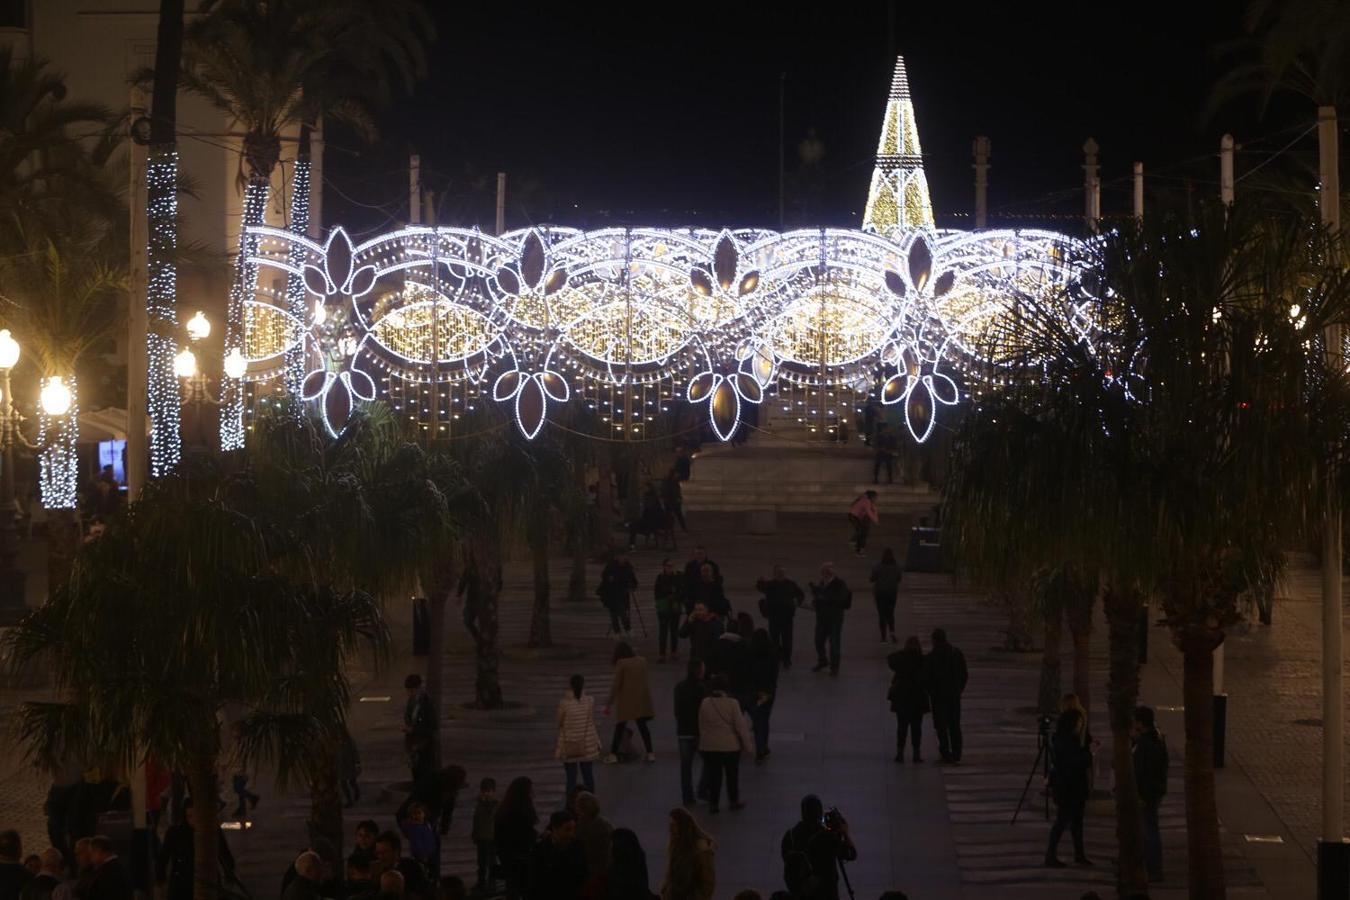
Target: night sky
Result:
[667, 114]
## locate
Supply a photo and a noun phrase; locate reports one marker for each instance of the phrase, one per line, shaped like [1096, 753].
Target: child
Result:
[484, 827]
[424, 844]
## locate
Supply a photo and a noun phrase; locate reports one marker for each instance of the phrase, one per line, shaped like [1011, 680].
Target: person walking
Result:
[862, 514]
[578, 745]
[694, 567]
[908, 696]
[1070, 762]
[832, 598]
[485, 836]
[702, 629]
[514, 834]
[626, 878]
[617, 583]
[706, 588]
[763, 688]
[630, 696]
[778, 606]
[668, 594]
[1151, 761]
[672, 496]
[885, 588]
[689, 694]
[691, 872]
[722, 738]
[946, 676]
[419, 728]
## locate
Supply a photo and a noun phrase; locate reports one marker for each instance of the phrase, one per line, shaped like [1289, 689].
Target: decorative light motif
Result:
[719, 317]
[58, 434]
[897, 199]
[162, 396]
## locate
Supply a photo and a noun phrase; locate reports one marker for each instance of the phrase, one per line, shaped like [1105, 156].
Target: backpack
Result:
[799, 874]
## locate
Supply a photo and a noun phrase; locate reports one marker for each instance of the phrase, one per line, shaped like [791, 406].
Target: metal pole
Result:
[782, 93]
[1139, 191]
[414, 190]
[501, 202]
[981, 181]
[1333, 852]
[12, 605]
[1226, 169]
[1092, 210]
[138, 323]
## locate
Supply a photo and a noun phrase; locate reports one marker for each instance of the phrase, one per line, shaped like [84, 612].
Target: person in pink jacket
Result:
[861, 515]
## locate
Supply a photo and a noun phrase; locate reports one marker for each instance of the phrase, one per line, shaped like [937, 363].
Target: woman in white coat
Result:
[722, 737]
[578, 741]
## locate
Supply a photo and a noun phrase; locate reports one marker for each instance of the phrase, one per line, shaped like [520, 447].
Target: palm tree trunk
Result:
[438, 583]
[260, 156]
[206, 836]
[325, 798]
[541, 630]
[1079, 616]
[581, 537]
[1206, 881]
[1047, 695]
[1122, 695]
[604, 504]
[487, 686]
[63, 542]
[296, 295]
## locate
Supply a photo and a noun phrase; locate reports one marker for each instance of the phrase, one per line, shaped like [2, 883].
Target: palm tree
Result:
[276, 64]
[183, 609]
[369, 510]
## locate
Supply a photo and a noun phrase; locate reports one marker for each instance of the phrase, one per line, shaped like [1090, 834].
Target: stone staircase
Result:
[771, 472]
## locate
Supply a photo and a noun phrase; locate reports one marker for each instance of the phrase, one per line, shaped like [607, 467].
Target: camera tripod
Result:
[1042, 762]
[848, 885]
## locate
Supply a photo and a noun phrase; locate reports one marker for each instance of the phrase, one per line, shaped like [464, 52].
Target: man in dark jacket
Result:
[694, 567]
[110, 879]
[48, 878]
[617, 583]
[688, 695]
[13, 874]
[779, 605]
[1151, 762]
[707, 589]
[419, 728]
[174, 863]
[813, 850]
[946, 677]
[308, 874]
[558, 863]
[832, 598]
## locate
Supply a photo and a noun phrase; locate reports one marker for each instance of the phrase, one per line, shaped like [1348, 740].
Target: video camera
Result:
[833, 820]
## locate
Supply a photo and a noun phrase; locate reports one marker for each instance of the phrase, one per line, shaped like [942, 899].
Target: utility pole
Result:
[1092, 185]
[1333, 852]
[138, 321]
[1139, 192]
[501, 202]
[981, 149]
[782, 94]
[414, 190]
[1220, 695]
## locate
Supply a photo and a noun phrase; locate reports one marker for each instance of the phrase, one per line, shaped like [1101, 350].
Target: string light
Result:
[163, 402]
[296, 295]
[241, 290]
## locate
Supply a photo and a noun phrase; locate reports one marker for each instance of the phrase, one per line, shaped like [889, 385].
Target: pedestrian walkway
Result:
[935, 832]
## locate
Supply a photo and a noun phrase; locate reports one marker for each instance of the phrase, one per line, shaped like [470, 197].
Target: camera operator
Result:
[813, 850]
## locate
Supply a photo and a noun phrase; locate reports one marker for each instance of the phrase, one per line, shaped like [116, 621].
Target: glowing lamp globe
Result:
[235, 364]
[198, 326]
[185, 364]
[9, 350]
[55, 396]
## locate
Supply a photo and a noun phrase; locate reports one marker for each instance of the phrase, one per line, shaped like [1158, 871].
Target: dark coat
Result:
[617, 582]
[1070, 764]
[702, 635]
[731, 657]
[781, 598]
[1151, 762]
[556, 873]
[515, 838]
[831, 599]
[40, 887]
[946, 671]
[688, 695]
[764, 673]
[909, 690]
[176, 860]
[710, 594]
[13, 877]
[109, 882]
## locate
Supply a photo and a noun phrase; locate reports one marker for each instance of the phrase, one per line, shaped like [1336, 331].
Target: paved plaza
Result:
[935, 832]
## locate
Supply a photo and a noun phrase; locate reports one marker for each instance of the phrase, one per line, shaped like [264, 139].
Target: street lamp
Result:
[12, 605]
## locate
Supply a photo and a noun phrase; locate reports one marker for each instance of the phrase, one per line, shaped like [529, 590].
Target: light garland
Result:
[297, 298]
[58, 434]
[722, 317]
[241, 290]
[163, 402]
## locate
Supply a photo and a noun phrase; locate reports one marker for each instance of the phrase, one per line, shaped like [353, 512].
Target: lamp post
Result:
[12, 605]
